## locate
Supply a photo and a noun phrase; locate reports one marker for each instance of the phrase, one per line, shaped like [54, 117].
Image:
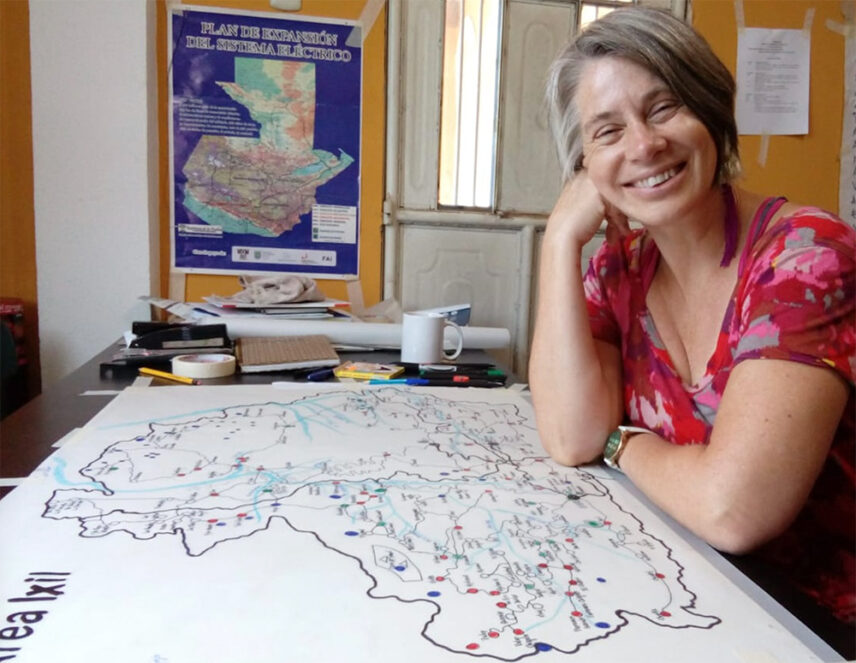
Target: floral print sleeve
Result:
[796, 295]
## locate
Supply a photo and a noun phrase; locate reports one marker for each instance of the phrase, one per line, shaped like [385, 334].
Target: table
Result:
[27, 436]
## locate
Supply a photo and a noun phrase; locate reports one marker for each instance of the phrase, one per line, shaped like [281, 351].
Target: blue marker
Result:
[321, 375]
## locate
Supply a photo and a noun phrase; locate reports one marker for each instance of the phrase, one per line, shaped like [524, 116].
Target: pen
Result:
[491, 373]
[448, 382]
[320, 375]
[167, 376]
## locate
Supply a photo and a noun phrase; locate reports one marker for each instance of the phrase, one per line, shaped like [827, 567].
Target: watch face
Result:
[612, 444]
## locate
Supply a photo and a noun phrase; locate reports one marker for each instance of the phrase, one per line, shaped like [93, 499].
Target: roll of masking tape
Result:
[203, 366]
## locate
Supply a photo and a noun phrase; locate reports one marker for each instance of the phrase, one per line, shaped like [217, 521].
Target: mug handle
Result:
[457, 351]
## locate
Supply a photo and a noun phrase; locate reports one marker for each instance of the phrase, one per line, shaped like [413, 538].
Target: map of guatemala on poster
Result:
[390, 524]
[265, 143]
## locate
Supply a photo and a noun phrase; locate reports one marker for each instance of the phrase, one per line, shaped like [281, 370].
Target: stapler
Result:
[183, 337]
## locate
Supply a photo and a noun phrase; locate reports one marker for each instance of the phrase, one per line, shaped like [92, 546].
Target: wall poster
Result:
[265, 143]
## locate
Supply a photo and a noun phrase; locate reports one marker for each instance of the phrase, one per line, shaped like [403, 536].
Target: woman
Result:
[723, 328]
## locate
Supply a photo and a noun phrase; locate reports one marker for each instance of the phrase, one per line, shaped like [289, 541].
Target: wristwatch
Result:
[617, 442]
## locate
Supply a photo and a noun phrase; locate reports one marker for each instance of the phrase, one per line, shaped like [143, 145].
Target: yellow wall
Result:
[17, 219]
[805, 169]
[371, 157]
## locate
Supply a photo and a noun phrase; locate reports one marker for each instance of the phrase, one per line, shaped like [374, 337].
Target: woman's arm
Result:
[575, 380]
[773, 431]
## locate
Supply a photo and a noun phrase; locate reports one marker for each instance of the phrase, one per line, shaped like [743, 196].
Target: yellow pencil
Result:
[167, 376]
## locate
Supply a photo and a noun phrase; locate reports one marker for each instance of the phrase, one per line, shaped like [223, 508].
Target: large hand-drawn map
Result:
[374, 524]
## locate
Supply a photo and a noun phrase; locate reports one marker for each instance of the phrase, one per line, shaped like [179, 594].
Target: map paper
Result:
[383, 524]
[265, 143]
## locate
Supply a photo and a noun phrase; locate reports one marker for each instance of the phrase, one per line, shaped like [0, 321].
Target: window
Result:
[470, 93]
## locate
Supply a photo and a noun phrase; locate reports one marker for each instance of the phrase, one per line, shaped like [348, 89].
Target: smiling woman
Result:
[722, 330]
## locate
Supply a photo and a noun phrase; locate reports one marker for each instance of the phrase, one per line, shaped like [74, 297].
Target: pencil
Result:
[167, 376]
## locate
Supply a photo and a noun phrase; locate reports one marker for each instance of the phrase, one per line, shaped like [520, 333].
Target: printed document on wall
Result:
[265, 143]
[773, 81]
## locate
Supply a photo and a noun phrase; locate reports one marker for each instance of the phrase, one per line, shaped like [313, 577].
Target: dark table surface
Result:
[27, 436]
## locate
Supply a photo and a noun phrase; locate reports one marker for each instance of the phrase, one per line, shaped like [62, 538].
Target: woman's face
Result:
[646, 152]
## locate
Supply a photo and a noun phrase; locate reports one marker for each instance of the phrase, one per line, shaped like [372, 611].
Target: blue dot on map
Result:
[400, 567]
[335, 497]
[602, 624]
[221, 524]
[276, 504]
[444, 474]
[601, 579]
[433, 593]
[543, 646]
[351, 532]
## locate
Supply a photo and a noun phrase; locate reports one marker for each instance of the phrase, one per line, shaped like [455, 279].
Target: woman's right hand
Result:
[580, 210]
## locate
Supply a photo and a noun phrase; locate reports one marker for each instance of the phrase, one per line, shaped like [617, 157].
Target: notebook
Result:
[283, 353]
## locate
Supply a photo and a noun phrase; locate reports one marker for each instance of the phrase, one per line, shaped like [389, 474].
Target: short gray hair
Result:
[668, 48]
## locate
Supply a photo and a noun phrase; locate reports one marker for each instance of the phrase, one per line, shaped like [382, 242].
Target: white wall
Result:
[95, 173]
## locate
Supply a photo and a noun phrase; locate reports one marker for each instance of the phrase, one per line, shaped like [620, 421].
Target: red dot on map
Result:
[568, 567]
[493, 634]
[458, 527]
[440, 578]
[665, 613]
[213, 494]
[494, 592]
[569, 593]
[659, 575]
[181, 474]
[444, 557]
[607, 522]
[242, 515]
[572, 582]
[472, 645]
[569, 540]
[518, 631]
[502, 604]
[577, 613]
[472, 590]
[542, 566]
[212, 520]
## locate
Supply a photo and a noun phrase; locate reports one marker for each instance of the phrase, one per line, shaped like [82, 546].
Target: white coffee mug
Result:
[422, 338]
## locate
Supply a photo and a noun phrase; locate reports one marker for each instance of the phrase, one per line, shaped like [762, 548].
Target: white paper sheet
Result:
[251, 524]
[773, 69]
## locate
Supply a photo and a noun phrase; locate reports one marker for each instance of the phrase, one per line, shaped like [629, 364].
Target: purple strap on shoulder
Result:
[732, 226]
